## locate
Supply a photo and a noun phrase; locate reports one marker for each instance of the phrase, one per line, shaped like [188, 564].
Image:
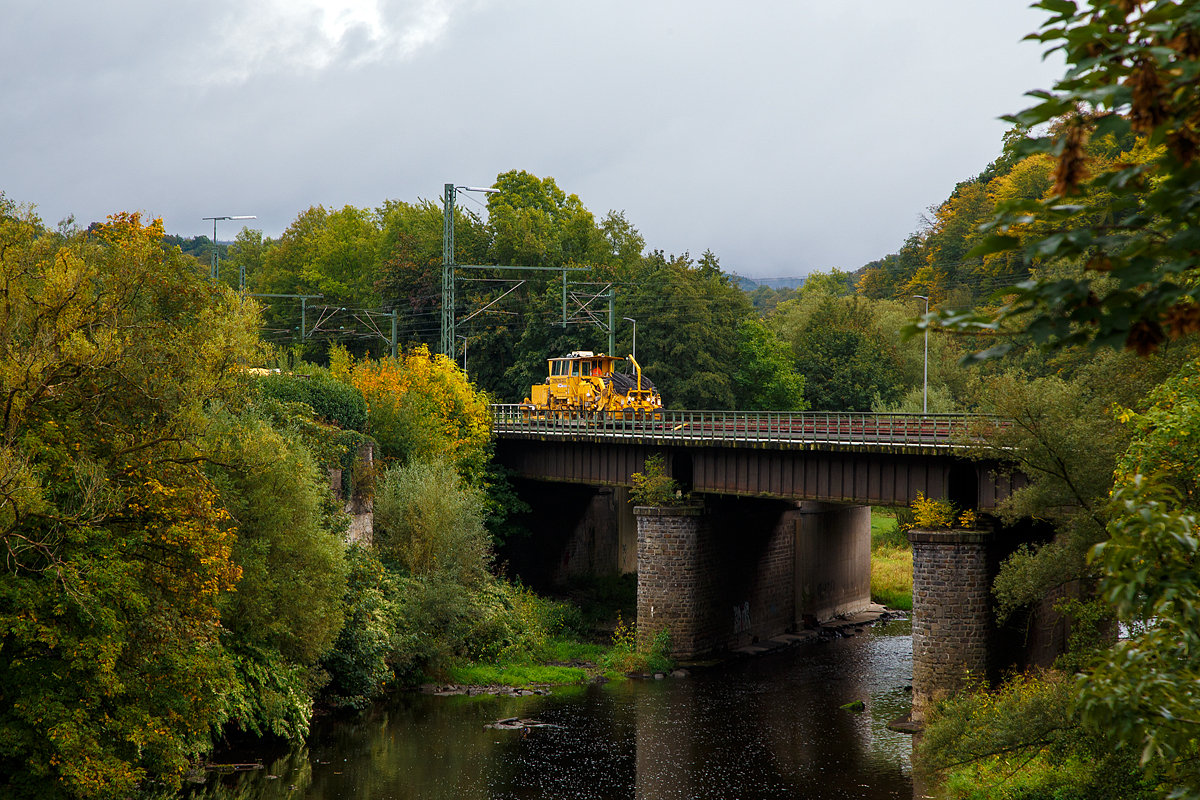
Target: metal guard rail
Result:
[750, 427]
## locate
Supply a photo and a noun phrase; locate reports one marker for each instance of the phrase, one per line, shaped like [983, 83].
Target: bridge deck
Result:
[895, 433]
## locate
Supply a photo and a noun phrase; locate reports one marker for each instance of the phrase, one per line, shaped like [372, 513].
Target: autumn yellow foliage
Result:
[931, 513]
[420, 406]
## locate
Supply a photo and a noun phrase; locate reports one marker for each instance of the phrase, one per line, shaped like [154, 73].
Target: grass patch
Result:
[575, 640]
[515, 674]
[891, 577]
[886, 529]
[881, 520]
[891, 560]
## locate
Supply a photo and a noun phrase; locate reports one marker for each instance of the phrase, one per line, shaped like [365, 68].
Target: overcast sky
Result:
[787, 136]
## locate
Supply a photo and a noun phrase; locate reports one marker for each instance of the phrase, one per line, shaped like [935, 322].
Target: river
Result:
[768, 726]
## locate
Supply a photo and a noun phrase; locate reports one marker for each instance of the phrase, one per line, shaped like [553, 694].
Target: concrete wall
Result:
[361, 509]
[833, 560]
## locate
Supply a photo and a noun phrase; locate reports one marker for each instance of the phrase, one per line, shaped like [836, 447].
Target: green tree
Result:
[410, 272]
[245, 254]
[847, 363]
[535, 223]
[334, 254]
[287, 609]
[112, 349]
[766, 378]
[1166, 437]
[1141, 693]
[834, 283]
[688, 315]
[1061, 434]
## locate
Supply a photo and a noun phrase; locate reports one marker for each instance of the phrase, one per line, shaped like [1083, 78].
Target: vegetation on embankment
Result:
[590, 639]
[891, 560]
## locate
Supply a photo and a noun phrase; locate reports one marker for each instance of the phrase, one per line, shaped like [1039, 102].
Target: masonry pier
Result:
[956, 638]
[953, 625]
[737, 571]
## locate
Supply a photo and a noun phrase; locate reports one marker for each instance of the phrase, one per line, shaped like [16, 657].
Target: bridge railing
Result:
[748, 427]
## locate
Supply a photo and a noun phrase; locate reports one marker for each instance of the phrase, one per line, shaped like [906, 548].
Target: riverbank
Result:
[591, 641]
[587, 639]
[538, 679]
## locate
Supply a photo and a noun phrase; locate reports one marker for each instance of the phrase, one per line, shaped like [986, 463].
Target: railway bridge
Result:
[779, 539]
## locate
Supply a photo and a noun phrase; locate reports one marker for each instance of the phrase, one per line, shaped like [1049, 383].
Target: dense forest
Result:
[705, 342]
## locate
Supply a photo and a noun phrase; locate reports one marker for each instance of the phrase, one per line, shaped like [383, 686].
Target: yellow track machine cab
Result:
[584, 381]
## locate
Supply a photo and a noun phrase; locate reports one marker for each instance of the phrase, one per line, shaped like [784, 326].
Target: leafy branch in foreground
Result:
[1144, 692]
[1125, 232]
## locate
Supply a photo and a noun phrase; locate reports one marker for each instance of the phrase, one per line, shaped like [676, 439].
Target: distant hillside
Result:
[750, 284]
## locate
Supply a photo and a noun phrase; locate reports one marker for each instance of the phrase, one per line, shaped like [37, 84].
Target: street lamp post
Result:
[216, 270]
[634, 321]
[925, 404]
[448, 335]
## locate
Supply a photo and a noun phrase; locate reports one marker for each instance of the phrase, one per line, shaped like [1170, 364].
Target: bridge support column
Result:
[716, 577]
[952, 622]
[674, 576]
[833, 561]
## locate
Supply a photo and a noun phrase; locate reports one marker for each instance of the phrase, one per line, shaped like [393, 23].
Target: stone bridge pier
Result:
[740, 570]
[955, 635]
[953, 629]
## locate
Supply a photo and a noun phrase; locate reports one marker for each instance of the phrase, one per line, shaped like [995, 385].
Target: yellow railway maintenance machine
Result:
[584, 383]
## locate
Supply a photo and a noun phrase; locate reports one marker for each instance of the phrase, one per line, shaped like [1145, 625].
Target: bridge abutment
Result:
[833, 560]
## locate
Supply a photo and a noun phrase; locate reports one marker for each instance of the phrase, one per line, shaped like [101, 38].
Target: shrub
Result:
[930, 513]
[626, 656]
[654, 487]
[422, 408]
[1024, 741]
[358, 665]
[332, 400]
[429, 522]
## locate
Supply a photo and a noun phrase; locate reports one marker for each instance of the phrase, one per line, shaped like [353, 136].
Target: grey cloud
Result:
[785, 136]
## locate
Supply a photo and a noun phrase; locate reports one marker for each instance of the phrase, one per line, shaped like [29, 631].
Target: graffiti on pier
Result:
[741, 618]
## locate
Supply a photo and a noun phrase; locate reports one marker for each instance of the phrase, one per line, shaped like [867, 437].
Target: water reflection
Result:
[768, 727]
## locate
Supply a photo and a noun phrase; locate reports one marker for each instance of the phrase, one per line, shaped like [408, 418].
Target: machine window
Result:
[585, 368]
[575, 369]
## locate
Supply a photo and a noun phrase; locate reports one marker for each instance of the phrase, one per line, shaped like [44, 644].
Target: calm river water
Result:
[765, 727]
